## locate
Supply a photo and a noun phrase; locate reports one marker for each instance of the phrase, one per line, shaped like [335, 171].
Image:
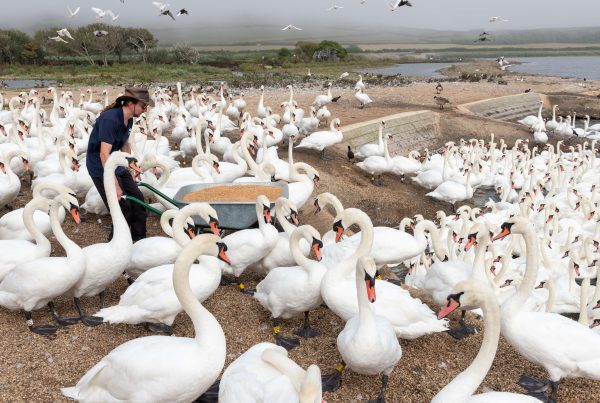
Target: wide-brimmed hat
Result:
[136, 94]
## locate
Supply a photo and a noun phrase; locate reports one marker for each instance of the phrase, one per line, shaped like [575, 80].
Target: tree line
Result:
[87, 45]
[102, 44]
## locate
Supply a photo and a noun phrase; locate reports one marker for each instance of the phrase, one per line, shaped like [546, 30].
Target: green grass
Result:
[253, 71]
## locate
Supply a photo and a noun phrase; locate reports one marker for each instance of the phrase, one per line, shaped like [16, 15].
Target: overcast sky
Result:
[433, 14]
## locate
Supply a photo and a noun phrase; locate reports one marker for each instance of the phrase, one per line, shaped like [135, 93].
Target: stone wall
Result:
[410, 130]
[509, 108]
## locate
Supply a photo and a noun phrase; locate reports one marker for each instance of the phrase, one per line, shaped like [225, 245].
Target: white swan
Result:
[302, 185]
[363, 98]
[538, 336]
[18, 251]
[368, 343]
[378, 165]
[452, 192]
[323, 139]
[159, 250]
[280, 255]
[551, 125]
[105, 262]
[10, 184]
[265, 373]
[367, 150]
[151, 299]
[477, 294]
[290, 291]
[251, 245]
[34, 284]
[186, 367]
[12, 224]
[409, 317]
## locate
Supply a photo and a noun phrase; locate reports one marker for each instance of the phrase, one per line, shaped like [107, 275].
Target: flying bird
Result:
[100, 33]
[398, 3]
[495, 19]
[73, 13]
[102, 13]
[64, 33]
[181, 12]
[57, 39]
[482, 39]
[289, 27]
[334, 7]
[164, 9]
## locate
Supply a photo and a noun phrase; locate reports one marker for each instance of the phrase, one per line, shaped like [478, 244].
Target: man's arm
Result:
[105, 149]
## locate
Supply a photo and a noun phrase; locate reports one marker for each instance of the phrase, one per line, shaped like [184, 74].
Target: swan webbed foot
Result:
[91, 321]
[211, 395]
[159, 328]
[533, 385]
[306, 331]
[287, 342]
[332, 382]
[58, 319]
[66, 321]
[226, 280]
[44, 330]
[470, 329]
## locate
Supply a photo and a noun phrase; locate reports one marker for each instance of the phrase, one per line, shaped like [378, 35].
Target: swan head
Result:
[69, 201]
[218, 247]
[265, 205]
[479, 236]
[311, 387]
[367, 266]
[518, 225]
[468, 293]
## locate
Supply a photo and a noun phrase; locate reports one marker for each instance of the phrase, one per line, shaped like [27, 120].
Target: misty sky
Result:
[29, 15]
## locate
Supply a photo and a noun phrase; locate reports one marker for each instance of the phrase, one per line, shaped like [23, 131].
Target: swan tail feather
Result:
[130, 314]
[419, 329]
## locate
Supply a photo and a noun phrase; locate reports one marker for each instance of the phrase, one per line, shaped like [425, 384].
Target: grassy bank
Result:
[240, 71]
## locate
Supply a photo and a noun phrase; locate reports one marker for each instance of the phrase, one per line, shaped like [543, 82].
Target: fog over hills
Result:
[260, 21]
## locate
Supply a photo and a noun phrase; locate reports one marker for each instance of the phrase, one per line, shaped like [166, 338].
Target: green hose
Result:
[158, 192]
[141, 203]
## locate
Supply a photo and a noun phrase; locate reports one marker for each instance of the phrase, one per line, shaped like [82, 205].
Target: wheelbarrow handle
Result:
[141, 203]
[158, 192]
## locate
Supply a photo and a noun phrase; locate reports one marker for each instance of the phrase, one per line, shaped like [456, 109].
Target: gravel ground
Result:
[34, 368]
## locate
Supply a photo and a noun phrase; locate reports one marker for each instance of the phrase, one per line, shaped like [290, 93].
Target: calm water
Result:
[563, 66]
[413, 69]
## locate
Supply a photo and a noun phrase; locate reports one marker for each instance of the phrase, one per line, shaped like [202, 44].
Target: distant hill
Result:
[272, 35]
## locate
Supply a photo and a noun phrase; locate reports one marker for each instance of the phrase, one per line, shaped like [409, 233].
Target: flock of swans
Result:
[519, 284]
[563, 126]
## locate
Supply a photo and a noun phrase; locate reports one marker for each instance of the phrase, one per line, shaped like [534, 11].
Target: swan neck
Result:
[467, 382]
[122, 235]
[299, 258]
[531, 269]
[69, 246]
[39, 203]
[207, 329]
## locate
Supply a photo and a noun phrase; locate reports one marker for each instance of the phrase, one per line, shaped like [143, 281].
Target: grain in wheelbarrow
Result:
[246, 193]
